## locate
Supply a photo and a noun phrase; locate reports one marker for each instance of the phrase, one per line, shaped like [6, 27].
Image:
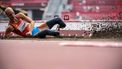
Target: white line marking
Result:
[96, 44]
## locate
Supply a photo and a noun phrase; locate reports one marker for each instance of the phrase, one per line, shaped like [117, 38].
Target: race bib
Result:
[22, 26]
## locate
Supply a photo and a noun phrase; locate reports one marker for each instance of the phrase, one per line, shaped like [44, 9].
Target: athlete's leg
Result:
[43, 26]
[43, 33]
[49, 24]
[36, 32]
[55, 21]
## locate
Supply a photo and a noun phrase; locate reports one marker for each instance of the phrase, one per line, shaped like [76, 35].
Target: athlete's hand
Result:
[3, 36]
[29, 33]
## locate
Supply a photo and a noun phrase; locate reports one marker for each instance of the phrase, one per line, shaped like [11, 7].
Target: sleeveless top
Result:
[20, 28]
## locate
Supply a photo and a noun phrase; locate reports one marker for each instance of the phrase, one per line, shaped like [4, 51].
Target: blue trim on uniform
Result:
[35, 31]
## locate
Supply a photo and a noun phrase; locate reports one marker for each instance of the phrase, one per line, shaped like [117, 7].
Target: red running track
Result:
[36, 54]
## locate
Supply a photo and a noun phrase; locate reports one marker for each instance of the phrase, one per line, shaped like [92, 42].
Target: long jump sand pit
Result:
[59, 54]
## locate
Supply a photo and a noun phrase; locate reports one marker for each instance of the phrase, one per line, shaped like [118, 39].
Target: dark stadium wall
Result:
[37, 14]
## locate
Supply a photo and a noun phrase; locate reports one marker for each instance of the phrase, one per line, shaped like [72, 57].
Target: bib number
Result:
[22, 26]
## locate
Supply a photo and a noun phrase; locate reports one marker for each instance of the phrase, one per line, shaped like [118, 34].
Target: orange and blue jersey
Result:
[21, 28]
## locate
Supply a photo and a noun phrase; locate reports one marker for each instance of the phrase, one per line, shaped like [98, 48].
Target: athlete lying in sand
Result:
[23, 25]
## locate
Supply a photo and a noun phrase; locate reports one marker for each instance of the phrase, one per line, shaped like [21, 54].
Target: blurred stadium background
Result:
[83, 17]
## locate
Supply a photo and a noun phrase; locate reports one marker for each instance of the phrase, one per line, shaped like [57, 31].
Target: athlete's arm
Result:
[20, 11]
[8, 31]
[28, 19]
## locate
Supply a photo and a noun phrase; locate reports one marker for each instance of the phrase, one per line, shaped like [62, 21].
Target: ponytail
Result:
[3, 8]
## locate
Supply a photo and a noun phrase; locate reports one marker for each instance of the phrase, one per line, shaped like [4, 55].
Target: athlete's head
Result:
[10, 13]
